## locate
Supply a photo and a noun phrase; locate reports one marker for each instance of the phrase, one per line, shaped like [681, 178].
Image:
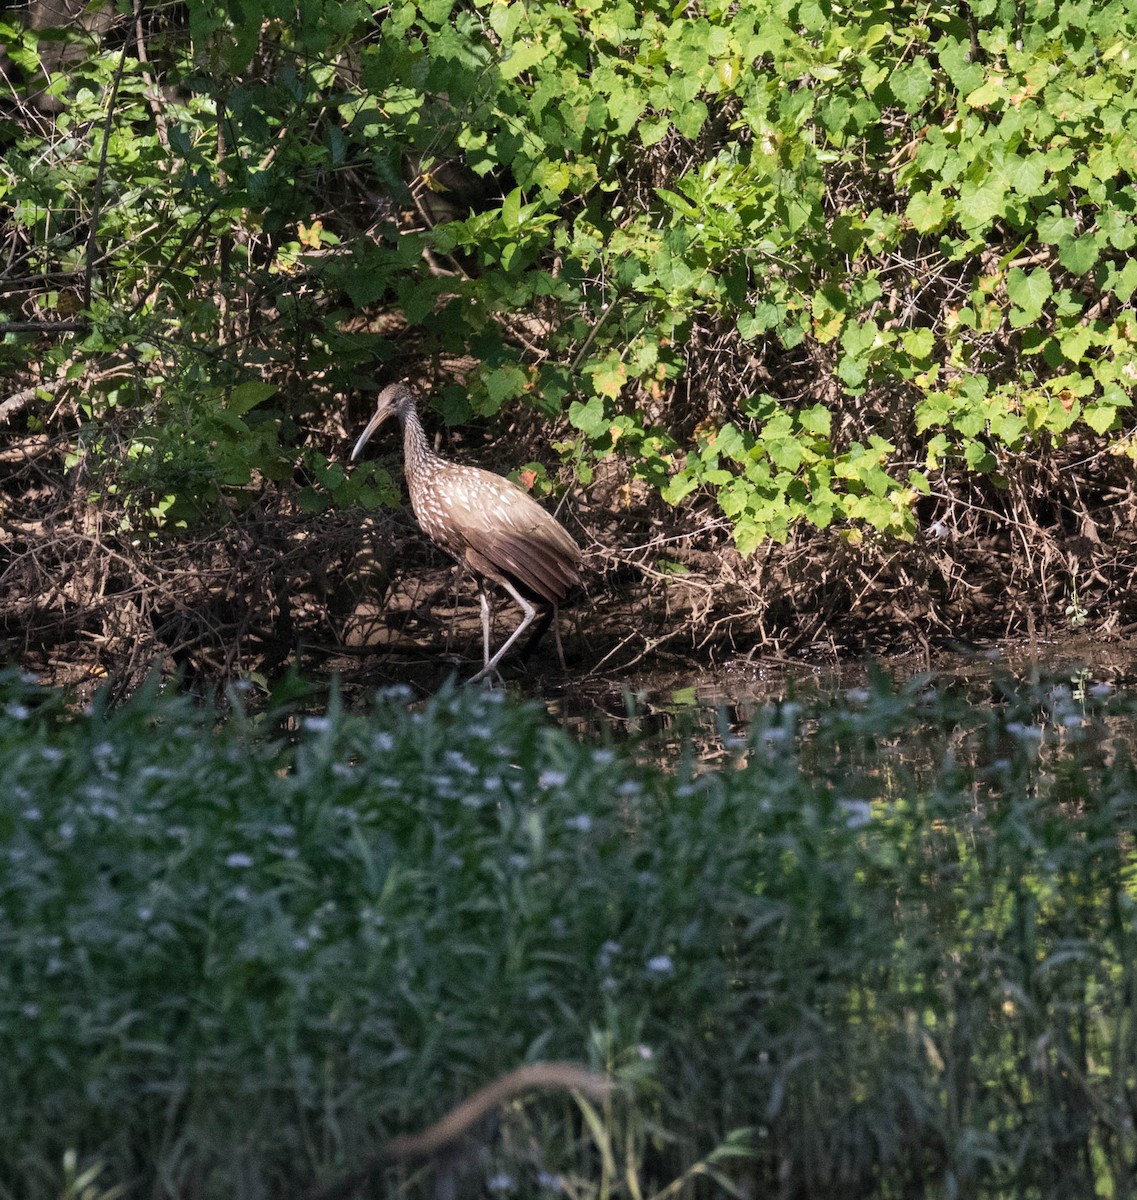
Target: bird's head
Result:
[396, 399]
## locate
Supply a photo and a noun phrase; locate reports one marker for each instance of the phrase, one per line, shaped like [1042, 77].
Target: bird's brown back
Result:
[499, 530]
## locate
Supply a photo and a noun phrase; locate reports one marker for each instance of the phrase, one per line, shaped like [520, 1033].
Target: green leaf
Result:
[980, 203]
[511, 209]
[955, 58]
[1125, 281]
[1026, 173]
[248, 395]
[504, 383]
[911, 84]
[1028, 291]
[1074, 340]
[927, 210]
[523, 56]
[919, 343]
[590, 417]
[1078, 255]
[785, 453]
[816, 420]
[1100, 418]
[978, 457]
[1055, 228]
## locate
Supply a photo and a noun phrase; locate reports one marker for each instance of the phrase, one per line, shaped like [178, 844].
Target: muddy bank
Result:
[273, 590]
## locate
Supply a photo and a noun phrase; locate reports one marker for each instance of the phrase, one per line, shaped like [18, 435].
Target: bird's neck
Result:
[416, 449]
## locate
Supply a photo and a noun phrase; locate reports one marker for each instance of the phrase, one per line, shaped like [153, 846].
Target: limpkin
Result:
[484, 521]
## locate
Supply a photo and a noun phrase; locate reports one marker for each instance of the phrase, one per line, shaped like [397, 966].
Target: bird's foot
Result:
[490, 674]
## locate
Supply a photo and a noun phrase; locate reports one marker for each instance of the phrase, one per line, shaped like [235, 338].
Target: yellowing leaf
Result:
[310, 235]
[987, 94]
[608, 381]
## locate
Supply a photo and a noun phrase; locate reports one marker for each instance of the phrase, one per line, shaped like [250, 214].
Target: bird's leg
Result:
[557, 637]
[530, 612]
[456, 578]
[485, 628]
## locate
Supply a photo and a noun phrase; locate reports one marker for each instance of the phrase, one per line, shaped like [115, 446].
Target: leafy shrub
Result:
[802, 258]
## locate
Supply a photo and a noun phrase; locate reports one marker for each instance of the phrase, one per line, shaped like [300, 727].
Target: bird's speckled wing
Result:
[469, 509]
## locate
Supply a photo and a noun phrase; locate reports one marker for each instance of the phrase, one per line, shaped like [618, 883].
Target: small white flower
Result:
[51, 754]
[660, 964]
[552, 779]
[460, 762]
[630, 787]
[582, 823]
[1025, 733]
[603, 756]
[857, 813]
[500, 1183]
[645, 1052]
[857, 695]
[607, 952]
[239, 859]
[18, 712]
[317, 724]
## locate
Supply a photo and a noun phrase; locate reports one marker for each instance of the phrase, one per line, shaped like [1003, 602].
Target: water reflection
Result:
[1061, 695]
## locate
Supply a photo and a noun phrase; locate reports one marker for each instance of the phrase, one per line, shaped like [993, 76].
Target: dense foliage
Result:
[886, 947]
[800, 254]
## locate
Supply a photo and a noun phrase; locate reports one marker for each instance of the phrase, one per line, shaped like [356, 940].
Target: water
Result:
[662, 708]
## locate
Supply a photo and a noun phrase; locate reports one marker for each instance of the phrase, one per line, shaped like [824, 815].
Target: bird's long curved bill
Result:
[380, 416]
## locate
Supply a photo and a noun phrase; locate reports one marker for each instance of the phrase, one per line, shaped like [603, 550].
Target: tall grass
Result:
[884, 946]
